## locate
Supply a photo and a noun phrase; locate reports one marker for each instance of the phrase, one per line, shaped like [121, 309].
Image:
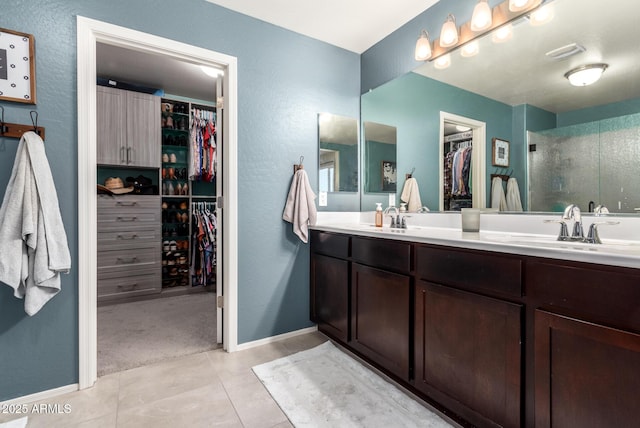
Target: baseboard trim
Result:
[272, 339]
[42, 395]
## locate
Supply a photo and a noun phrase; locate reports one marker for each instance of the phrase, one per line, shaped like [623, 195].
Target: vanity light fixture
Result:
[449, 32]
[423, 47]
[470, 49]
[502, 34]
[519, 5]
[586, 74]
[542, 15]
[442, 62]
[481, 19]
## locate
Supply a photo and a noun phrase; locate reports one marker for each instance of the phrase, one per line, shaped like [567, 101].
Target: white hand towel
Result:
[33, 243]
[411, 195]
[513, 195]
[300, 209]
[498, 199]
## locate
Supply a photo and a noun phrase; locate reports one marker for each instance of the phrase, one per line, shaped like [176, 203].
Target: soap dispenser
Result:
[378, 214]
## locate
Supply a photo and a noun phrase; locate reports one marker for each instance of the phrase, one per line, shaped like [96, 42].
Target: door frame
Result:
[90, 32]
[478, 158]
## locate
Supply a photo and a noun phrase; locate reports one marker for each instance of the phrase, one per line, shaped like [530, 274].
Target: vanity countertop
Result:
[610, 252]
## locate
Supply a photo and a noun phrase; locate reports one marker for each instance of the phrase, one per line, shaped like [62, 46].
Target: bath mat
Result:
[324, 387]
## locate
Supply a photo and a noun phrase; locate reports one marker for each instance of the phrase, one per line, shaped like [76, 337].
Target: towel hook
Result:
[34, 122]
[2, 127]
[298, 166]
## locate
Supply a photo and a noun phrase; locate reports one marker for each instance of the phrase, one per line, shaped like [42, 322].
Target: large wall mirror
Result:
[567, 144]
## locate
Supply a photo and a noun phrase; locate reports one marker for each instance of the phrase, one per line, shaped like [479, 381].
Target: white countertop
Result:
[615, 252]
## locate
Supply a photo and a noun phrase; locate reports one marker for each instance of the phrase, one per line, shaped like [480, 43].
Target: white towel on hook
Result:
[513, 195]
[411, 195]
[33, 243]
[498, 199]
[300, 209]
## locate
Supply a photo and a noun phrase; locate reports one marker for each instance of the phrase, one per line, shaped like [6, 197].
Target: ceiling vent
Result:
[565, 51]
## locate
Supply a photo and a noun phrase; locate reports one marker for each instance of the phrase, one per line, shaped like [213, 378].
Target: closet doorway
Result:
[462, 135]
[90, 34]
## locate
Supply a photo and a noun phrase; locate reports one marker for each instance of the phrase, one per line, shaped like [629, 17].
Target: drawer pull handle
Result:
[130, 261]
[127, 218]
[127, 239]
[128, 287]
[126, 204]
[129, 157]
[122, 159]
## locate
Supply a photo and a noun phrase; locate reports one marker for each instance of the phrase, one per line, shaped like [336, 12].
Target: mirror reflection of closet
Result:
[338, 153]
[458, 148]
[462, 162]
[380, 158]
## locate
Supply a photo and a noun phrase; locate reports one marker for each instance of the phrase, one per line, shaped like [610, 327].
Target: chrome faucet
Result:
[572, 212]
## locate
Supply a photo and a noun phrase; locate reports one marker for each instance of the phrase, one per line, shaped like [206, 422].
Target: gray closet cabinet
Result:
[128, 246]
[128, 128]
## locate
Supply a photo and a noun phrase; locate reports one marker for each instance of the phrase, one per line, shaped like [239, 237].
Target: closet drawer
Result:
[128, 220]
[130, 286]
[127, 260]
[128, 202]
[130, 240]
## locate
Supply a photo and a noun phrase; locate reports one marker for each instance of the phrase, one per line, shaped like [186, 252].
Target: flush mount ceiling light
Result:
[423, 47]
[211, 71]
[586, 74]
[470, 49]
[481, 19]
[520, 5]
[449, 33]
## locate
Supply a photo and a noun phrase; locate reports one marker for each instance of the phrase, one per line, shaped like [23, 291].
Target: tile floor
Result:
[208, 389]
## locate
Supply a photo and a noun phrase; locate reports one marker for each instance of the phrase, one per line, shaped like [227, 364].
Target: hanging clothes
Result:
[203, 160]
[203, 244]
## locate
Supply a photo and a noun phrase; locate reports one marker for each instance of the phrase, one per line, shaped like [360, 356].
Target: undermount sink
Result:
[621, 247]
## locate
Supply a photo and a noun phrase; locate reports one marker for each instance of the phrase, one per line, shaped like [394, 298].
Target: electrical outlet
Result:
[322, 200]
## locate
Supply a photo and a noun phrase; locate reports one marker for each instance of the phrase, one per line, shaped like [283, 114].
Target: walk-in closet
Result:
[457, 181]
[159, 224]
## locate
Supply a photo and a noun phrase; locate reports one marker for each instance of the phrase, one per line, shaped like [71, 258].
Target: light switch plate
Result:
[322, 199]
[392, 199]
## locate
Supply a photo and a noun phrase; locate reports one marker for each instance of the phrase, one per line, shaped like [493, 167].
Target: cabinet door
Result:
[330, 295]
[111, 126]
[468, 353]
[586, 375]
[143, 130]
[380, 309]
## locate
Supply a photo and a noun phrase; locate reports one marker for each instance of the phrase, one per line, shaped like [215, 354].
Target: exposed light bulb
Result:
[423, 47]
[442, 62]
[481, 19]
[470, 49]
[502, 34]
[449, 33]
[541, 16]
[519, 5]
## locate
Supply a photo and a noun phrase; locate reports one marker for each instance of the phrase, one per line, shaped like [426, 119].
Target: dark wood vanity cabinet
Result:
[468, 353]
[496, 339]
[330, 284]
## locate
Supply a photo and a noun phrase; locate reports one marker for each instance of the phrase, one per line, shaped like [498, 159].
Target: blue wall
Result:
[284, 80]
[412, 103]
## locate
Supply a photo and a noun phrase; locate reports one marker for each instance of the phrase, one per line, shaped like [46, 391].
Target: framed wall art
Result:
[17, 67]
[500, 152]
[389, 176]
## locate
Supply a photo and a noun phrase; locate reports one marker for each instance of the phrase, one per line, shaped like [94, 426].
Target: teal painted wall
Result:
[284, 80]
[412, 103]
[605, 111]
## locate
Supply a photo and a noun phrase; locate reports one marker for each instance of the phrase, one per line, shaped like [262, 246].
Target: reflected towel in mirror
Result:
[513, 195]
[498, 200]
[411, 195]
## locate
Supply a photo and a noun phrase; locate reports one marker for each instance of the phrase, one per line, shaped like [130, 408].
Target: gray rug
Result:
[141, 333]
[324, 387]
